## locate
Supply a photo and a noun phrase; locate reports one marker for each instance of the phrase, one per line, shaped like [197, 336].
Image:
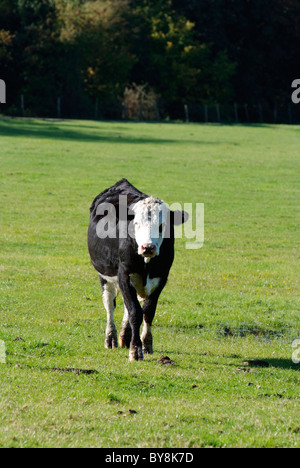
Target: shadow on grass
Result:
[283, 364]
[56, 131]
[94, 133]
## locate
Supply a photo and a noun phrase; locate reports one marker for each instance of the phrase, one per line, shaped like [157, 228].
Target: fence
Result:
[64, 108]
[287, 113]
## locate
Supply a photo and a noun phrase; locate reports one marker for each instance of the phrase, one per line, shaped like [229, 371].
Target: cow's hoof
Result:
[147, 349]
[136, 353]
[148, 345]
[123, 342]
[111, 340]
[125, 338]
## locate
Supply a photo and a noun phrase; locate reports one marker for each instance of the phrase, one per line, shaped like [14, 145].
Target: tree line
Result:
[146, 58]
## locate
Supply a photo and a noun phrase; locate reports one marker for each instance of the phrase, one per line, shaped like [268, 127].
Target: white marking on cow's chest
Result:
[144, 291]
[109, 279]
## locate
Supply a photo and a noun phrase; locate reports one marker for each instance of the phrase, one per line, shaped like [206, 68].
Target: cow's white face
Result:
[150, 223]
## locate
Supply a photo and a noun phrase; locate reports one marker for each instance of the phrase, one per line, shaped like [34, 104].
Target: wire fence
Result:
[85, 108]
[285, 113]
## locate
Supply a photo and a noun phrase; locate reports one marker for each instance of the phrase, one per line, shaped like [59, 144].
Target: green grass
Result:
[235, 300]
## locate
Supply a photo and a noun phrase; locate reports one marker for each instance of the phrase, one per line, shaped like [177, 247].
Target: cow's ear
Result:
[179, 217]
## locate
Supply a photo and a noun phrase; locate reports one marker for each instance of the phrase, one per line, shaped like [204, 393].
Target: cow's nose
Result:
[148, 249]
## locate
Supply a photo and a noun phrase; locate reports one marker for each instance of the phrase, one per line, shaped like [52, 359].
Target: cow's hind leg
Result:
[109, 294]
[125, 334]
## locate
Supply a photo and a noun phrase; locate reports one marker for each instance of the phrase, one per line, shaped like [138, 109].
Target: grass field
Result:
[234, 301]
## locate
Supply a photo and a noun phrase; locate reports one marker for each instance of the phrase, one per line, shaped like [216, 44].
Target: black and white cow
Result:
[131, 244]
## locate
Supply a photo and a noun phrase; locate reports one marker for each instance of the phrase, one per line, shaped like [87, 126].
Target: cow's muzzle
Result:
[148, 250]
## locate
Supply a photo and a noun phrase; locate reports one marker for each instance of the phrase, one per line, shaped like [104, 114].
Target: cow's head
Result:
[151, 222]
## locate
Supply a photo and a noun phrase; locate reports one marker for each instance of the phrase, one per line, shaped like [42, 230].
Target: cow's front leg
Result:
[147, 339]
[125, 333]
[149, 308]
[109, 300]
[135, 315]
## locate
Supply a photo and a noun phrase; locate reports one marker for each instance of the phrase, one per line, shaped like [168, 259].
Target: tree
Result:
[97, 31]
[176, 64]
[261, 36]
[42, 63]
[10, 70]
[187, 51]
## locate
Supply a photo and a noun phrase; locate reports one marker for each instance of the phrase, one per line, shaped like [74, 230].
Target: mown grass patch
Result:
[232, 302]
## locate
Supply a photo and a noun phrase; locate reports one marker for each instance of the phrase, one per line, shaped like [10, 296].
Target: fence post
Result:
[218, 113]
[23, 105]
[275, 113]
[206, 113]
[141, 112]
[260, 112]
[236, 114]
[125, 112]
[290, 114]
[96, 108]
[58, 107]
[156, 111]
[246, 112]
[186, 113]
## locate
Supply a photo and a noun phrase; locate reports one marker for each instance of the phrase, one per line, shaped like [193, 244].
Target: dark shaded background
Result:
[225, 60]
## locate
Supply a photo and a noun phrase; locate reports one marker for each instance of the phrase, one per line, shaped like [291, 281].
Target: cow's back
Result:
[112, 195]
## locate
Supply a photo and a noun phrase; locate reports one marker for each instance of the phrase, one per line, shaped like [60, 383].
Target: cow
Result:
[131, 246]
